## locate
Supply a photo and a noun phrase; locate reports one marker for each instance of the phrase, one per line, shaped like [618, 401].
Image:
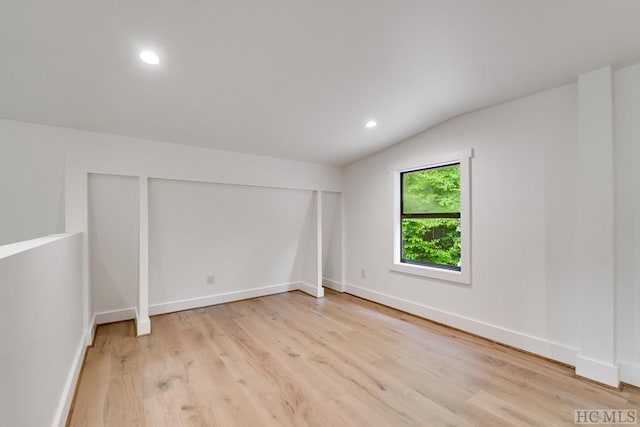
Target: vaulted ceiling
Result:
[294, 78]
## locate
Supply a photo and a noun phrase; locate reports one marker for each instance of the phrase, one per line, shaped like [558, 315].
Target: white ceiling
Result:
[294, 78]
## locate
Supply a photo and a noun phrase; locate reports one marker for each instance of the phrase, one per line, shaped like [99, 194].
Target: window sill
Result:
[432, 272]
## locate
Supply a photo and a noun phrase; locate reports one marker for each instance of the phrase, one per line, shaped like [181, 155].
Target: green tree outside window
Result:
[431, 217]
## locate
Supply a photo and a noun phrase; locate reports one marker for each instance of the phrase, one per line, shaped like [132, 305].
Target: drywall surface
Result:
[523, 177]
[626, 97]
[595, 220]
[332, 238]
[246, 237]
[113, 241]
[41, 331]
[31, 182]
[32, 171]
[308, 254]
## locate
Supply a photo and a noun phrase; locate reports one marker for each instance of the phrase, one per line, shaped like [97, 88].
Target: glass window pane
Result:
[435, 190]
[432, 241]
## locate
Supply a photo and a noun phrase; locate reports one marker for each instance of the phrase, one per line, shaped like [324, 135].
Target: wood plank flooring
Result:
[292, 360]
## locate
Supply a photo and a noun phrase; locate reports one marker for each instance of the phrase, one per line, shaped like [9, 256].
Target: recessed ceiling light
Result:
[371, 124]
[149, 57]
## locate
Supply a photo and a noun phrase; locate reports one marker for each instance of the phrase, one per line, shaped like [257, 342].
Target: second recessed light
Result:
[371, 124]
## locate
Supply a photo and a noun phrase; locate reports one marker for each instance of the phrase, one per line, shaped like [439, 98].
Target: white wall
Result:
[32, 171]
[308, 255]
[113, 243]
[54, 151]
[627, 215]
[524, 289]
[41, 350]
[93, 153]
[31, 184]
[595, 220]
[247, 237]
[332, 240]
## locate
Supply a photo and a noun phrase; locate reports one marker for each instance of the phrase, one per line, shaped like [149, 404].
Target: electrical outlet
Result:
[363, 273]
[211, 280]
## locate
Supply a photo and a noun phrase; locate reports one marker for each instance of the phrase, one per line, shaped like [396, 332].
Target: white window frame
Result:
[464, 275]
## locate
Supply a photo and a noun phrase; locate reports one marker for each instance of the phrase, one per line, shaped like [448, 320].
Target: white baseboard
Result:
[333, 284]
[308, 288]
[186, 304]
[62, 411]
[90, 333]
[605, 373]
[115, 316]
[540, 346]
[143, 325]
[630, 373]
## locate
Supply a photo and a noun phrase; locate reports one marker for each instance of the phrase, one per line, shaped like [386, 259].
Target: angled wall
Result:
[524, 287]
[554, 219]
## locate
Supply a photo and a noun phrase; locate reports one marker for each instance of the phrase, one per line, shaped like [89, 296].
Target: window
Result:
[431, 219]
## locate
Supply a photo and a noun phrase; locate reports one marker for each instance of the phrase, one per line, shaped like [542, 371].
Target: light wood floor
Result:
[290, 359]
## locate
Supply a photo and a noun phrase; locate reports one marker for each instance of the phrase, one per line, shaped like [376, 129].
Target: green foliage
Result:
[432, 190]
[432, 240]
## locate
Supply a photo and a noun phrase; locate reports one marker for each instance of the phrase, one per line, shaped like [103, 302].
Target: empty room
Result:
[319, 213]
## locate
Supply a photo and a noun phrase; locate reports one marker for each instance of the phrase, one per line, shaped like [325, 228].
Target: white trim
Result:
[64, 404]
[537, 345]
[630, 373]
[333, 284]
[114, 316]
[463, 276]
[596, 255]
[310, 289]
[198, 302]
[90, 333]
[432, 272]
[597, 370]
[12, 249]
[143, 324]
[319, 249]
[433, 161]
[184, 178]
[186, 304]
[343, 241]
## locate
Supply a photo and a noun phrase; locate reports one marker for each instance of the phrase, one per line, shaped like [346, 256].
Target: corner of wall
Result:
[307, 288]
[597, 370]
[333, 284]
[630, 373]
